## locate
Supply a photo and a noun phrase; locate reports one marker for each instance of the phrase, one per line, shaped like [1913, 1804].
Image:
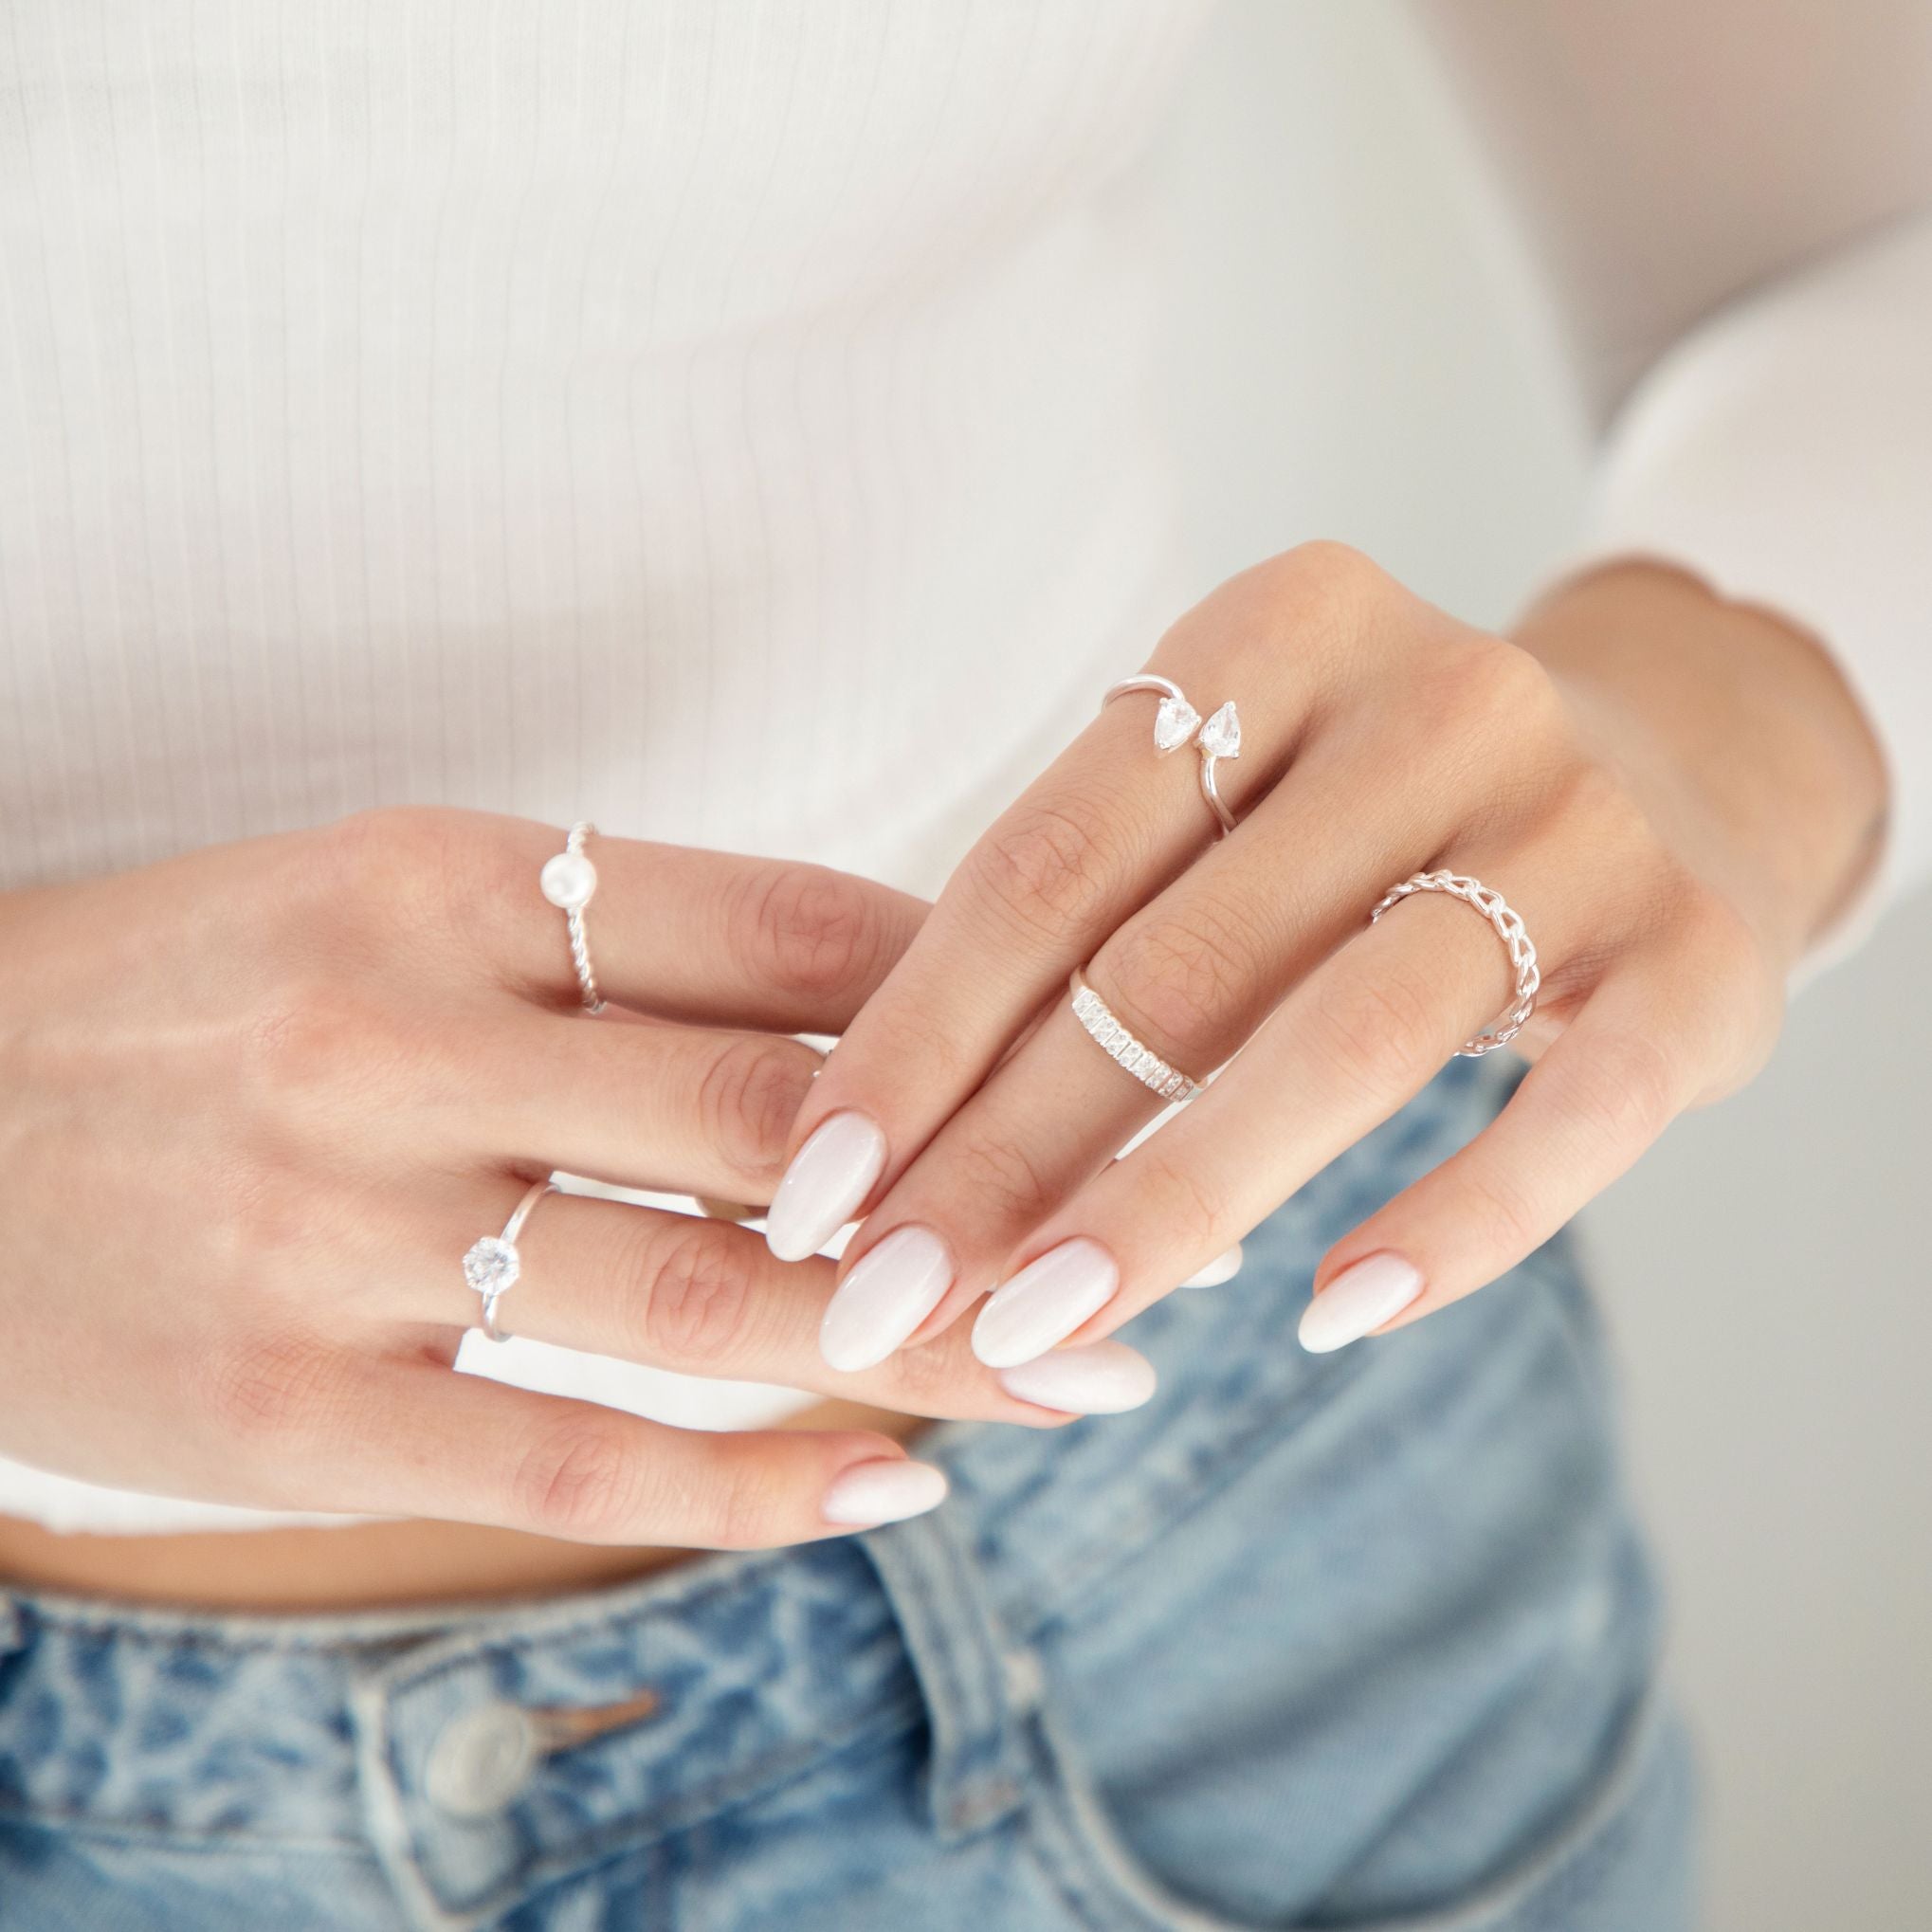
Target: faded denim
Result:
[1361, 1640]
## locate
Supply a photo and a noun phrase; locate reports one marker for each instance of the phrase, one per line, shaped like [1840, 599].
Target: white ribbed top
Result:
[728, 419]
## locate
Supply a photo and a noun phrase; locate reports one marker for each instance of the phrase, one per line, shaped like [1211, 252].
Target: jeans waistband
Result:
[481, 1749]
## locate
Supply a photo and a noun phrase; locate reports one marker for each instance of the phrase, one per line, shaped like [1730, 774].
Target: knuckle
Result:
[813, 932]
[696, 1307]
[927, 1380]
[322, 1037]
[1188, 982]
[748, 1098]
[737, 1504]
[1509, 1218]
[1046, 867]
[1380, 1032]
[265, 1388]
[1628, 1090]
[1196, 1204]
[1007, 1186]
[581, 1482]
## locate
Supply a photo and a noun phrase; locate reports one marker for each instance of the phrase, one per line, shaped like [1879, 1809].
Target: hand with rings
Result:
[279, 1117]
[1606, 842]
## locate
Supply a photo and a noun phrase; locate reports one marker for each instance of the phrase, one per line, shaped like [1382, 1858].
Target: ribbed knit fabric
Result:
[723, 419]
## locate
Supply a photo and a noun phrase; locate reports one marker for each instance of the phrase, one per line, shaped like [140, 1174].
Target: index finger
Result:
[713, 939]
[1107, 825]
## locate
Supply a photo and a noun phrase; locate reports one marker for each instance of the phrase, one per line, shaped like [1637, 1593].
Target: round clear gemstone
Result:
[491, 1266]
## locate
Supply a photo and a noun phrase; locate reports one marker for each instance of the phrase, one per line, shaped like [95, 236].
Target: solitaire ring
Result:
[492, 1265]
[569, 881]
[1496, 909]
[1175, 721]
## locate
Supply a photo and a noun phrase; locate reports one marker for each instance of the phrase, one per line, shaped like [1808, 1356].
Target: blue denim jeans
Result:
[1360, 1640]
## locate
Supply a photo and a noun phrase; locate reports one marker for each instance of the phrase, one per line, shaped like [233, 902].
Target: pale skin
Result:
[257, 1100]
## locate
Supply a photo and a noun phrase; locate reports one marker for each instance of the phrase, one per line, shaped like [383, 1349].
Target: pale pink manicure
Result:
[829, 1178]
[1357, 1300]
[1104, 1379]
[1044, 1302]
[891, 1289]
[886, 1491]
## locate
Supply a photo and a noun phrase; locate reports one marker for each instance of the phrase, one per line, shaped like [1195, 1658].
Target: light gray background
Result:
[1358, 351]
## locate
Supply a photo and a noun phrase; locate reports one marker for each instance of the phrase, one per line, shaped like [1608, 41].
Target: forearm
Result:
[1786, 763]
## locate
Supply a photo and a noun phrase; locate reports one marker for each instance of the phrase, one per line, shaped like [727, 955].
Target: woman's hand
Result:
[256, 1103]
[1672, 792]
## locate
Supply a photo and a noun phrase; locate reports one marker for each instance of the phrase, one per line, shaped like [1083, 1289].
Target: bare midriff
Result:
[360, 1566]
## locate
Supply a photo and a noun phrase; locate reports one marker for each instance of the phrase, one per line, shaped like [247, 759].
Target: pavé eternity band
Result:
[1120, 1046]
[493, 1264]
[1175, 721]
[569, 881]
[1493, 907]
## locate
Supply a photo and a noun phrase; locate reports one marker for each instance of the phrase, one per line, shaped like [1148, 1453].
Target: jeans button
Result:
[482, 1760]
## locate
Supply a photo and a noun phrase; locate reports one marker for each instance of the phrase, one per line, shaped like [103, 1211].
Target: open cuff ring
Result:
[1176, 721]
[1496, 909]
[568, 881]
[493, 1264]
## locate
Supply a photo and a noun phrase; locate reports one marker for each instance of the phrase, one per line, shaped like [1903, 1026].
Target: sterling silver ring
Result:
[492, 1265]
[1496, 909]
[1177, 720]
[569, 881]
[1121, 1046]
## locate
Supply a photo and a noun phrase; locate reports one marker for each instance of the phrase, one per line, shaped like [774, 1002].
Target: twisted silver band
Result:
[1496, 909]
[492, 1266]
[1120, 1046]
[569, 881]
[1177, 720]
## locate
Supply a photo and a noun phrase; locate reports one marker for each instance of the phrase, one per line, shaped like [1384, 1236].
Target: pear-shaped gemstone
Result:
[1221, 735]
[1173, 723]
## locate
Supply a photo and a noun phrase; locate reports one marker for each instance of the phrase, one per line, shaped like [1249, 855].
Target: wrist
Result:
[1738, 723]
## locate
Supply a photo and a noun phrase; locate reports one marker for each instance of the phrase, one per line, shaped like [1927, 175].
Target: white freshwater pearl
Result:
[568, 881]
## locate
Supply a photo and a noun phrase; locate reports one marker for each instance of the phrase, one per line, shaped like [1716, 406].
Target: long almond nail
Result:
[1359, 1300]
[1044, 1302]
[1104, 1379]
[888, 1490]
[828, 1179]
[891, 1289]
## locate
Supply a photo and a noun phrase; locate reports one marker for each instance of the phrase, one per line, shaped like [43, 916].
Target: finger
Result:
[414, 1439]
[707, 1298]
[1588, 1108]
[1101, 831]
[1363, 1034]
[1190, 976]
[694, 935]
[685, 1109]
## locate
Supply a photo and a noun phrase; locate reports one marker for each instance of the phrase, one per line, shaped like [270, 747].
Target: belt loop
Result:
[979, 1691]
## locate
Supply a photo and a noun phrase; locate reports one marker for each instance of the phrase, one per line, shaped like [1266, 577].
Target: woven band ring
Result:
[1496, 909]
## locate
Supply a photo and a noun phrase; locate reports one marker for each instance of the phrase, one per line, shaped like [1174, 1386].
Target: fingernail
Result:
[1224, 1268]
[891, 1289]
[1104, 1379]
[1357, 1300]
[828, 1176]
[1044, 1302]
[884, 1491]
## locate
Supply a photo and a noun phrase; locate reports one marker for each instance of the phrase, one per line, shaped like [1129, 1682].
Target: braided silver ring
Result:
[493, 1264]
[1121, 1046]
[569, 881]
[1177, 720]
[1496, 909]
